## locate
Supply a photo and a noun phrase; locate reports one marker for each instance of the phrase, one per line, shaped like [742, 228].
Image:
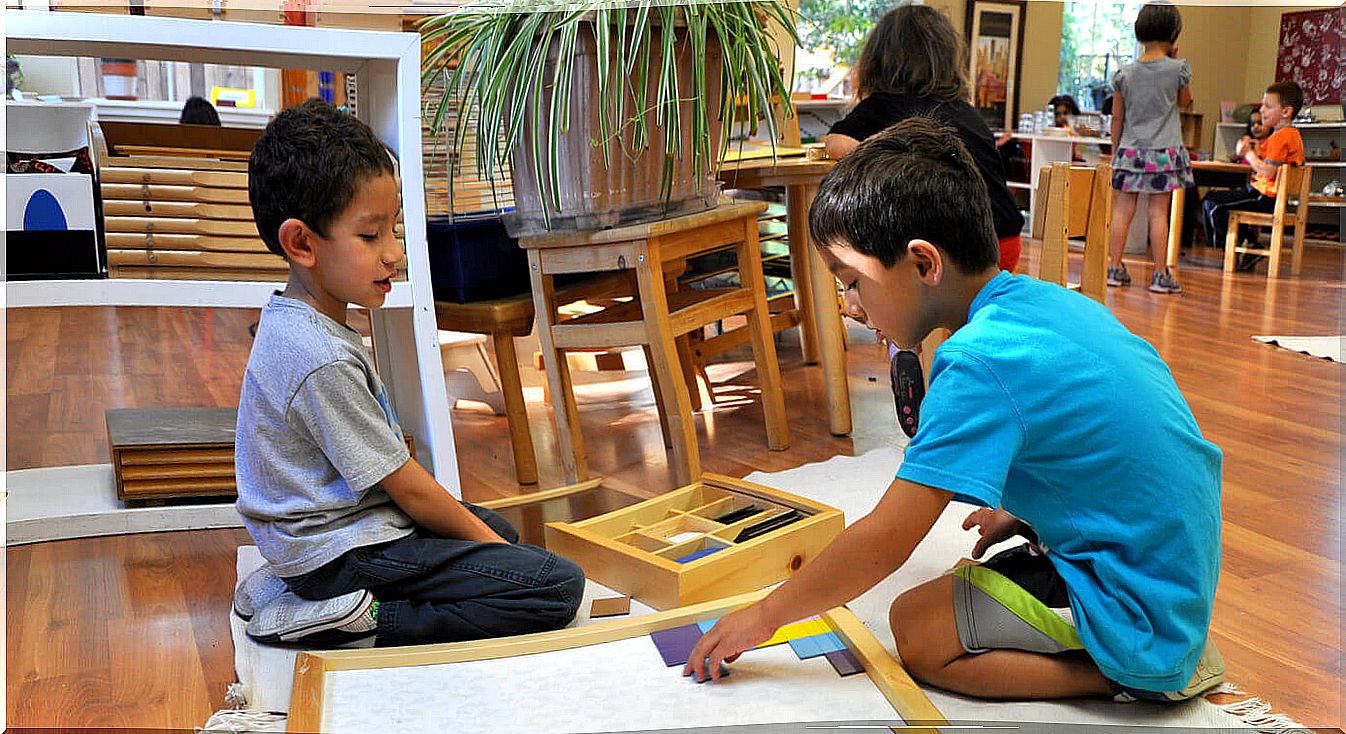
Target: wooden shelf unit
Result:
[635, 549]
[387, 69]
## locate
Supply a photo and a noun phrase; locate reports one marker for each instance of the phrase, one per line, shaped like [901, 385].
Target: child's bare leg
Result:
[1158, 213]
[927, 639]
[1123, 209]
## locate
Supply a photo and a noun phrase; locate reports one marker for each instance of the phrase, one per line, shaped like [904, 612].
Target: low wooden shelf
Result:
[175, 453]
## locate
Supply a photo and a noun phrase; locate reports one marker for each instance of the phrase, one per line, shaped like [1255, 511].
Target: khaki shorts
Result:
[1016, 600]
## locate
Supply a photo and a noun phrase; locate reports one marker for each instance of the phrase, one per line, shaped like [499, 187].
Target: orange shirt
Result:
[1286, 147]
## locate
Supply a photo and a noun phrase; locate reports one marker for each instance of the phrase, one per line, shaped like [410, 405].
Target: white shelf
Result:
[388, 71]
[1326, 164]
[1062, 139]
[139, 292]
[1019, 185]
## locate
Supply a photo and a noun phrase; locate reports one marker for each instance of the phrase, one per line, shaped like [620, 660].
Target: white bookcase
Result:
[387, 66]
[1318, 140]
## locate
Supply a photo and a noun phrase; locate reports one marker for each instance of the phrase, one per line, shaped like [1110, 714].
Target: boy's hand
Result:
[729, 638]
[416, 493]
[993, 525]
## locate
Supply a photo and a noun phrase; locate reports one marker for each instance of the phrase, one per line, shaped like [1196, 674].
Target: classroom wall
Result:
[1216, 42]
[1263, 38]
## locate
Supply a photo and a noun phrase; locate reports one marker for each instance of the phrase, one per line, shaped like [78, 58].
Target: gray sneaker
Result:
[1118, 277]
[1164, 283]
[259, 589]
[328, 622]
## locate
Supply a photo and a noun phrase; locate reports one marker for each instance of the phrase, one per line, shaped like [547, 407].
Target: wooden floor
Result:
[132, 631]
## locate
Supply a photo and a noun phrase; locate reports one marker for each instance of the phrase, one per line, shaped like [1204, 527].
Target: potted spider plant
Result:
[604, 113]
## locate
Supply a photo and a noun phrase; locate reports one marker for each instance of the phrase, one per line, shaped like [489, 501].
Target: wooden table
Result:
[1175, 216]
[815, 288]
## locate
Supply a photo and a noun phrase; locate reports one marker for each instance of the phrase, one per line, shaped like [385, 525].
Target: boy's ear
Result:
[296, 239]
[928, 261]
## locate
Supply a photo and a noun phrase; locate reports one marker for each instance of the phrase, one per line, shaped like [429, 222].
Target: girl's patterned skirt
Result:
[1151, 170]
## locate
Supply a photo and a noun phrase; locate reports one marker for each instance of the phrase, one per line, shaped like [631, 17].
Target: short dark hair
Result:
[1289, 94]
[1158, 21]
[307, 165]
[199, 111]
[1067, 100]
[914, 180]
[914, 50]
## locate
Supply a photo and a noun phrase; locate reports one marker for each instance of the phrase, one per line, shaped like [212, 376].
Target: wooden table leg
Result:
[569, 439]
[516, 411]
[763, 348]
[1179, 198]
[797, 201]
[831, 348]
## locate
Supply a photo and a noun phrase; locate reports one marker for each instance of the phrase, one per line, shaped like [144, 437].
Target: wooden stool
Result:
[503, 319]
[655, 319]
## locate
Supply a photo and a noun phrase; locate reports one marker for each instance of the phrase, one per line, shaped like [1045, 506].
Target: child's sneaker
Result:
[908, 387]
[1248, 261]
[329, 622]
[1210, 672]
[259, 589]
[1164, 282]
[1118, 277]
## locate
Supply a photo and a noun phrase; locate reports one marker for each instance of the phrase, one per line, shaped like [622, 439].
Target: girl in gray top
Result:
[1148, 156]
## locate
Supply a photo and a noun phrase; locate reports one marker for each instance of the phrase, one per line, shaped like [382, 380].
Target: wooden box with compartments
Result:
[711, 539]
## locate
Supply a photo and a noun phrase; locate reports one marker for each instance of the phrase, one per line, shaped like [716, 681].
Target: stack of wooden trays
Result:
[182, 218]
[453, 186]
[175, 453]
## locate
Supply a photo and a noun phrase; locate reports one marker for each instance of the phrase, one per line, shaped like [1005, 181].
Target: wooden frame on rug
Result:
[309, 705]
[995, 40]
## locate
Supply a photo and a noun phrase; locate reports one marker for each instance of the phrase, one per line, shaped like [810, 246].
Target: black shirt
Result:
[880, 110]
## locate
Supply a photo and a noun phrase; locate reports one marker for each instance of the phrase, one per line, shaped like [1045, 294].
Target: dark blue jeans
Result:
[1217, 206]
[434, 589]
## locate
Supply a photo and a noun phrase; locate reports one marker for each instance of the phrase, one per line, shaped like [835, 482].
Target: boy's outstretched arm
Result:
[860, 557]
[432, 507]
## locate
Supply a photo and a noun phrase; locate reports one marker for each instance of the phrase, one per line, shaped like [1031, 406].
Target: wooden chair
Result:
[1291, 182]
[506, 318]
[1074, 201]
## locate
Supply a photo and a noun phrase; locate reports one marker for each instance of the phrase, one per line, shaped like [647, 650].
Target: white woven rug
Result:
[1323, 347]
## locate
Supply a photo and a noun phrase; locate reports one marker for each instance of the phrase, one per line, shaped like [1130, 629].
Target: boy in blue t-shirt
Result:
[1046, 412]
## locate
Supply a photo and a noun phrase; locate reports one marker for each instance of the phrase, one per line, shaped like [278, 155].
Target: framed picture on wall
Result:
[995, 45]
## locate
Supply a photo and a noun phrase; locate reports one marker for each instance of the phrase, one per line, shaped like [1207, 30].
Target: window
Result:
[831, 34]
[1097, 38]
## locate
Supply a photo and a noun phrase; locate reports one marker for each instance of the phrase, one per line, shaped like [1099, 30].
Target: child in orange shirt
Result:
[1284, 146]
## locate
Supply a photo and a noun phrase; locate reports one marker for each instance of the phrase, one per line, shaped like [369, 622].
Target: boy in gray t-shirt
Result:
[362, 544]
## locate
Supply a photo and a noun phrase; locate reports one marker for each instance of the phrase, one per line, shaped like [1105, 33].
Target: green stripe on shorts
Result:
[1024, 605]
